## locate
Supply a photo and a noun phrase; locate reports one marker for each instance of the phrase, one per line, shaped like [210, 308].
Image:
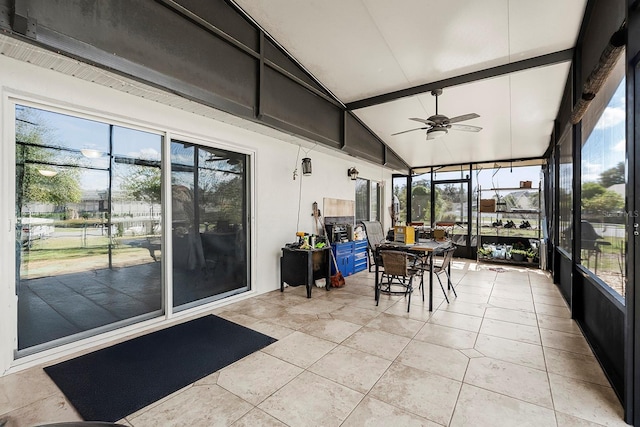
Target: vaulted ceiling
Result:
[506, 60]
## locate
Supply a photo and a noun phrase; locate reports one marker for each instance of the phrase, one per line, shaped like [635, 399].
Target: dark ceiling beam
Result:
[500, 70]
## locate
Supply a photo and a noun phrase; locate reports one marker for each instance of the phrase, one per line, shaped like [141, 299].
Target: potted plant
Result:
[484, 252]
[517, 251]
[518, 254]
[531, 254]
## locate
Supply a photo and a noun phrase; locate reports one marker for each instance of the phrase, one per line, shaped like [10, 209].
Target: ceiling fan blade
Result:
[463, 118]
[425, 121]
[466, 128]
[410, 130]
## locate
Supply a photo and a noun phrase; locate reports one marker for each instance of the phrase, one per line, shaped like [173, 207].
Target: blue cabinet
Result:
[359, 255]
[343, 253]
[351, 257]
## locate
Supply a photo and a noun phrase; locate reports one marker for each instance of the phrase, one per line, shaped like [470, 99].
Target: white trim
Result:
[167, 220]
[8, 297]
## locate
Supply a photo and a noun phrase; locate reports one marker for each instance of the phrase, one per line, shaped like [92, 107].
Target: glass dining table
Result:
[424, 248]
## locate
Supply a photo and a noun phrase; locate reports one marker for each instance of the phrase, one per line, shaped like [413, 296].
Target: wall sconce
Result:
[353, 173]
[306, 166]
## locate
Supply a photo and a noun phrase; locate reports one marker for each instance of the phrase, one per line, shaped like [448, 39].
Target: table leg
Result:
[309, 273]
[431, 282]
[281, 270]
[422, 266]
[377, 283]
[327, 254]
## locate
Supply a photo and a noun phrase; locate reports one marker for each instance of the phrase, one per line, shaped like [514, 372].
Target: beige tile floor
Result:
[504, 353]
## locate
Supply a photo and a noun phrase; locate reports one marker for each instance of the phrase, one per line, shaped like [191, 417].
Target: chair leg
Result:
[442, 287]
[450, 285]
[410, 291]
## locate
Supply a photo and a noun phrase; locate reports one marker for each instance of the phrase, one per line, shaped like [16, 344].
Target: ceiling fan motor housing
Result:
[439, 119]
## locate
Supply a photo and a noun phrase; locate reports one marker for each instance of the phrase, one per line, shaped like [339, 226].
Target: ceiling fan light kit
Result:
[438, 125]
[435, 133]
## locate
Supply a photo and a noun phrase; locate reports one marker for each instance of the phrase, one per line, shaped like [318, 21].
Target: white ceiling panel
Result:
[543, 26]
[535, 98]
[433, 40]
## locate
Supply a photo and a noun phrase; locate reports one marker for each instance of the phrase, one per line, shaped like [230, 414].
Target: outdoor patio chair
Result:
[375, 236]
[442, 264]
[400, 268]
[590, 242]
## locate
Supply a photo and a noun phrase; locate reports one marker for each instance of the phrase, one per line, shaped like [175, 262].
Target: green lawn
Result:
[73, 247]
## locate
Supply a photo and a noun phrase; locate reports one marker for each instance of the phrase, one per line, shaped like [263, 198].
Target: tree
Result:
[143, 183]
[591, 190]
[401, 193]
[607, 201]
[420, 203]
[37, 153]
[612, 176]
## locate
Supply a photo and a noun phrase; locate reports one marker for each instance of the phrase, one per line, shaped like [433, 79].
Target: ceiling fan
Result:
[438, 125]
[217, 157]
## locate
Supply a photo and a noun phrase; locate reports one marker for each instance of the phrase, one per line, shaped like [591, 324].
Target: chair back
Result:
[439, 233]
[395, 263]
[375, 234]
[448, 256]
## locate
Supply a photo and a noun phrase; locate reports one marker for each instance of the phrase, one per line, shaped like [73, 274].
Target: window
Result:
[515, 193]
[399, 200]
[421, 198]
[603, 213]
[565, 190]
[367, 200]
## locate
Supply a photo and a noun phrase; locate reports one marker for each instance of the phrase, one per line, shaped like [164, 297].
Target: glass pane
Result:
[565, 189]
[136, 211]
[362, 199]
[399, 200]
[461, 173]
[75, 270]
[421, 199]
[451, 207]
[509, 215]
[509, 201]
[374, 211]
[209, 230]
[603, 216]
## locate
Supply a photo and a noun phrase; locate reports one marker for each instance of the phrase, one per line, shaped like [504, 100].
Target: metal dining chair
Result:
[400, 268]
[442, 264]
[375, 236]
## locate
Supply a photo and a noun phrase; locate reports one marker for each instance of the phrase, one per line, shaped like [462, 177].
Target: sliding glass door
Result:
[89, 226]
[209, 223]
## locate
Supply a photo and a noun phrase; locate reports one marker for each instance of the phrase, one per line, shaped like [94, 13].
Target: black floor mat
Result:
[111, 383]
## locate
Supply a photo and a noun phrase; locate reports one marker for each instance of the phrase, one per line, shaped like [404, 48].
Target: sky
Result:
[79, 133]
[605, 147]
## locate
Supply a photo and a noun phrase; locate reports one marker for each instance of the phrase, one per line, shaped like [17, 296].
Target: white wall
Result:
[276, 193]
